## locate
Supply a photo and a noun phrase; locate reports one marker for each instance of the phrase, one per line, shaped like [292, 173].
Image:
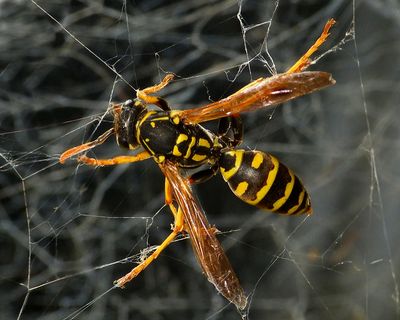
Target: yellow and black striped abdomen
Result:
[261, 180]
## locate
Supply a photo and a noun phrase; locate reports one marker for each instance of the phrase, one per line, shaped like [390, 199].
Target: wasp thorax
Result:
[126, 116]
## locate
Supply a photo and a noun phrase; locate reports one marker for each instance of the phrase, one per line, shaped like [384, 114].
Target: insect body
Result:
[255, 177]
[176, 141]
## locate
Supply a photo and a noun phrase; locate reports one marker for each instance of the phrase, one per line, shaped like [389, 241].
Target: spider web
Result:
[68, 231]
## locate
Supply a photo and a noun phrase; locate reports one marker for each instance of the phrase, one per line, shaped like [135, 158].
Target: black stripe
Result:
[227, 161]
[202, 150]
[278, 188]
[293, 199]
[305, 205]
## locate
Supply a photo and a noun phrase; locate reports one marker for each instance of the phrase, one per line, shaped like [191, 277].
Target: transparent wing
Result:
[260, 93]
[209, 252]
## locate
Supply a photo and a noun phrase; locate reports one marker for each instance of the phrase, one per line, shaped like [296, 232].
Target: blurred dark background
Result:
[66, 229]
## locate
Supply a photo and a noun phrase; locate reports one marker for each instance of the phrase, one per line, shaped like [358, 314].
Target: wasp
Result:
[178, 143]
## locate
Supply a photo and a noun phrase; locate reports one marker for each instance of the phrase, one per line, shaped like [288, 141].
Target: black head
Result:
[126, 116]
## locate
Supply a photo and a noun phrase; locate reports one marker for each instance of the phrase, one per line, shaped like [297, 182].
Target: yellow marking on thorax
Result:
[160, 159]
[204, 143]
[199, 157]
[257, 160]
[182, 137]
[147, 147]
[288, 190]
[300, 200]
[238, 154]
[190, 146]
[174, 115]
[241, 188]
[163, 118]
[176, 120]
[176, 152]
[153, 124]
[267, 184]
[139, 124]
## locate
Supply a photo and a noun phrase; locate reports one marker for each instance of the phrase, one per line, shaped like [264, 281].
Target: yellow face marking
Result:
[198, 157]
[257, 160]
[241, 188]
[204, 143]
[182, 137]
[176, 151]
[268, 183]
[288, 190]
[189, 149]
[301, 197]
[147, 139]
[238, 154]
[153, 124]
[160, 159]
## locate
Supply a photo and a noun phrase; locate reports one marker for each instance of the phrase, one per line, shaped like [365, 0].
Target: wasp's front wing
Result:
[259, 94]
[209, 251]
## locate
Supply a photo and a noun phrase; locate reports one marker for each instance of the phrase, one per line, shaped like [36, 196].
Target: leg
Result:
[161, 103]
[178, 228]
[231, 126]
[114, 161]
[86, 146]
[304, 61]
[204, 175]
[137, 270]
[144, 94]
[169, 198]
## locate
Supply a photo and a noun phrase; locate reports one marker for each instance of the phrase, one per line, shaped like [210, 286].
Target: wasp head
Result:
[126, 116]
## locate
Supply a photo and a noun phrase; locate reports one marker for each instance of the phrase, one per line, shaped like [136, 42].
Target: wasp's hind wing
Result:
[208, 250]
[260, 93]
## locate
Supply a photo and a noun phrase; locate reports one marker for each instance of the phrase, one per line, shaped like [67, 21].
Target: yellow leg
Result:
[114, 161]
[304, 61]
[168, 192]
[144, 94]
[178, 228]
